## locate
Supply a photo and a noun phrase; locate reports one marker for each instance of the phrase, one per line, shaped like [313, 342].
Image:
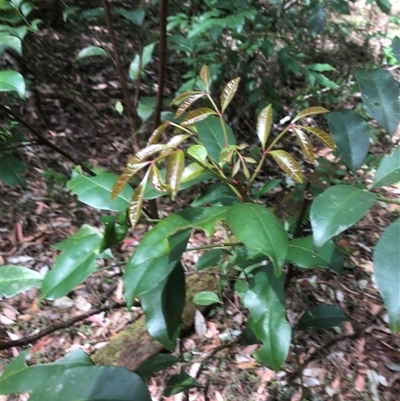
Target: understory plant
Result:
[261, 253]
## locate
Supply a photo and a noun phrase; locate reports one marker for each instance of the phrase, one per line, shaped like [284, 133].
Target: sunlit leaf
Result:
[206, 298]
[323, 136]
[199, 152]
[191, 171]
[17, 279]
[205, 76]
[197, 115]
[387, 272]
[287, 163]
[90, 51]
[175, 166]
[310, 111]
[129, 171]
[136, 205]
[12, 42]
[306, 147]
[388, 172]
[187, 103]
[264, 124]
[228, 93]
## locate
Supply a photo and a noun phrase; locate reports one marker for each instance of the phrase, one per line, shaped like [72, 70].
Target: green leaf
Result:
[210, 258]
[322, 317]
[305, 145]
[96, 191]
[94, 383]
[264, 124]
[212, 137]
[387, 272]
[388, 172]
[205, 76]
[17, 279]
[351, 136]
[74, 265]
[206, 298]
[191, 171]
[91, 51]
[11, 169]
[146, 107]
[218, 193]
[115, 230]
[135, 16]
[180, 382]
[268, 186]
[396, 48]
[321, 67]
[316, 21]
[146, 58]
[18, 377]
[157, 363]
[323, 136]
[68, 11]
[265, 299]
[12, 42]
[262, 233]
[288, 164]
[302, 254]
[337, 209]
[12, 81]
[384, 6]
[309, 111]
[195, 95]
[153, 259]
[380, 94]
[228, 92]
[163, 305]
[136, 205]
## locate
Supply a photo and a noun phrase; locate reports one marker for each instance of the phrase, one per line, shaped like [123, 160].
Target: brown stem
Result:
[58, 326]
[117, 60]
[44, 141]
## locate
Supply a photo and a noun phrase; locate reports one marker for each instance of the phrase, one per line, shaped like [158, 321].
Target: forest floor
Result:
[358, 361]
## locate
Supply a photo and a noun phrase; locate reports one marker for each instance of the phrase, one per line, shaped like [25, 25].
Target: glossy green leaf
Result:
[351, 136]
[287, 163]
[115, 230]
[206, 298]
[12, 81]
[180, 382]
[302, 254]
[136, 205]
[396, 48]
[268, 186]
[388, 172]
[322, 317]
[265, 299]
[96, 191]
[264, 124]
[175, 166]
[337, 209]
[12, 42]
[93, 383]
[228, 92]
[380, 94]
[262, 233]
[17, 279]
[11, 169]
[387, 272]
[136, 64]
[218, 193]
[309, 111]
[163, 305]
[191, 171]
[153, 259]
[157, 363]
[210, 258]
[305, 145]
[91, 51]
[74, 265]
[323, 136]
[197, 115]
[316, 20]
[18, 377]
[212, 137]
[135, 16]
[188, 102]
[205, 76]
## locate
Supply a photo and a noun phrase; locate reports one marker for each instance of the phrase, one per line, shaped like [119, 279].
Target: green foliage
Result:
[322, 317]
[17, 279]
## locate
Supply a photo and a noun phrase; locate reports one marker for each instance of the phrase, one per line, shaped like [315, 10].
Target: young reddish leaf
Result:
[264, 124]
[286, 162]
[129, 171]
[191, 171]
[187, 103]
[183, 96]
[146, 152]
[155, 136]
[305, 145]
[174, 142]
[156, 180]
[229, 92]
[323, 136]
[205, 76]
[197, 115]
[135, 208]
[175, 166]
[309, 111]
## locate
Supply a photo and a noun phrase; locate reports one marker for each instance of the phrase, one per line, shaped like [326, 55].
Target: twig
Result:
[59, 326]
